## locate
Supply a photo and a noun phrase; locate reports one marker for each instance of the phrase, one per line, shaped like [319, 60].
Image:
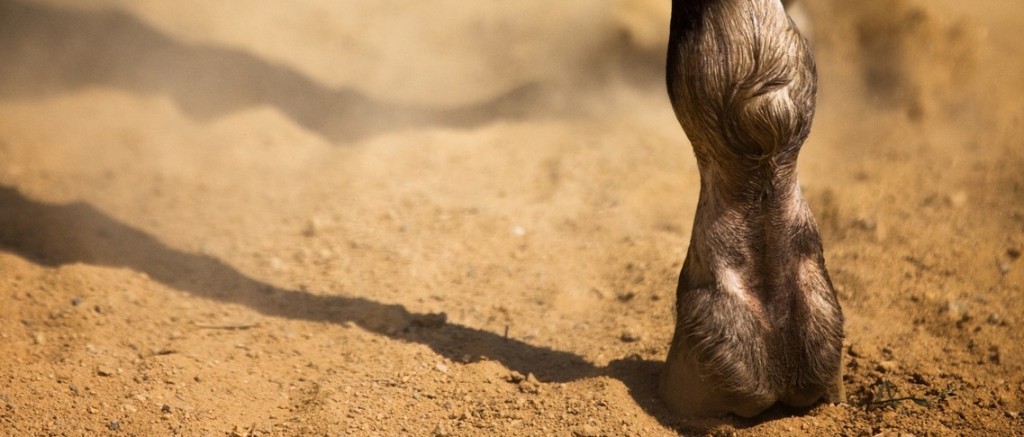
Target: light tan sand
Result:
[243, 218]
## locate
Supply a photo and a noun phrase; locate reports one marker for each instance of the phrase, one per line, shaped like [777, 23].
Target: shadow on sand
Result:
[53, 235]
[48, 51]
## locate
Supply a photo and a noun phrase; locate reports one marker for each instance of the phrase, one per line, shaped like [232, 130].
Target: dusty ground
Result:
[224, 219]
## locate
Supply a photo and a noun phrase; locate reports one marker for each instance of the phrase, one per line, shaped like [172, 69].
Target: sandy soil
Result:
[467, 218]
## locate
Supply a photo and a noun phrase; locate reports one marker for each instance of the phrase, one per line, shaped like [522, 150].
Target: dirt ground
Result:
[467, 218]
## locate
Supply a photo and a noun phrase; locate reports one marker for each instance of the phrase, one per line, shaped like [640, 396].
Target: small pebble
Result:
[441, 367]
[276, 264]
[314, 226]
[1003, 266]
[865, 224]
[994, 354]
[887, 366]
[586, 431]
[956, 311]
[530, 385]
[440, 430]
[114, 426]
[39, 338]
[856, 350]
[958, 199]
[1003, 399]
[630, 336]
[921, 378]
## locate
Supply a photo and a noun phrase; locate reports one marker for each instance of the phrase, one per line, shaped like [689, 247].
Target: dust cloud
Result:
[462, 218]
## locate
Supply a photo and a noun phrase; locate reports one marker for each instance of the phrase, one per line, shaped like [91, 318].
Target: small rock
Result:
[626, 297]
[887, 366]
[956, 311]
[39, 338]
[1003, 266]
[166, 409]
[515, 377]
[958, 199]
[994, 355]
[587, 430]
[630, 336]
[530, 385]
[440, 430]
[1003, 399]
[856, 350]
[994, 319]
[114, 426]
[921, 378]
[314, 226]
[129, 408]
[104, 371]
[865, 223]
[276, 264]
[441, 367]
